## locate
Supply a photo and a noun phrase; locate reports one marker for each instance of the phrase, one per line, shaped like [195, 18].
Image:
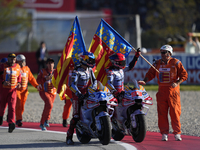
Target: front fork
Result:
[97, 119]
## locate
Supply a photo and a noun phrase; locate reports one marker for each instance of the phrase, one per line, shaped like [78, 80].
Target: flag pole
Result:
[146, 60]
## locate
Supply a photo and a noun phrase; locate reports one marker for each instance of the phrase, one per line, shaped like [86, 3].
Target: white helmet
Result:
[21, 57]
[167, 48]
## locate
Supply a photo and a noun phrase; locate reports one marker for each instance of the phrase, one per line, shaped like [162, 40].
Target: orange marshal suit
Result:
[48, 94]
[168, 98]
[22, 93]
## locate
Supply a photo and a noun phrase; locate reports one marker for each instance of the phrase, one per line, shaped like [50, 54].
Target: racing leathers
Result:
[115, 77]
[168, 97]
[79, 85]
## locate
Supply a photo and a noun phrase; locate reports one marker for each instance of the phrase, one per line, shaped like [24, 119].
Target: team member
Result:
[66, 111]
[10, 77]
[68, 103]
[22, 93]
[48, 92]
[172, 74]
[115, 73]
[79, 85]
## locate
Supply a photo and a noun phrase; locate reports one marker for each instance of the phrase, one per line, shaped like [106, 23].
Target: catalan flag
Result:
[74, 46]
[106, 42]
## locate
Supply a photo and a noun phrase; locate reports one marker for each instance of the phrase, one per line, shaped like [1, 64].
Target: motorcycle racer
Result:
[115, 73]
[79, 85]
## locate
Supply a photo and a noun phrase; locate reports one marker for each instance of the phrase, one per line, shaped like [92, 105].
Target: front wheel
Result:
[105, 134]
[139, 133]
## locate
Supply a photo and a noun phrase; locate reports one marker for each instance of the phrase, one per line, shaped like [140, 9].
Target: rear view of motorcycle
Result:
[94, 116]
[129, 115]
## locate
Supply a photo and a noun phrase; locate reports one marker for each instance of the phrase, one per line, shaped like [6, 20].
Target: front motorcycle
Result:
[94, 115]
[129, 115]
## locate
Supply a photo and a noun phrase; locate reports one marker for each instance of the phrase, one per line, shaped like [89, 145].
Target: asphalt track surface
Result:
[31, 137]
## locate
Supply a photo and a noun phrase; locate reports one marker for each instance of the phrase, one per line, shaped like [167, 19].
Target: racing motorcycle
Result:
[94, 115]
[129, 115]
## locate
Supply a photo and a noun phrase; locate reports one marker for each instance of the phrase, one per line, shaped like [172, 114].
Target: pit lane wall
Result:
[190, 62]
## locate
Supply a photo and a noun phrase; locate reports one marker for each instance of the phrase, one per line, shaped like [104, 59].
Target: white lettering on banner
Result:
[137, 74]
[193, 76]
[193, 62]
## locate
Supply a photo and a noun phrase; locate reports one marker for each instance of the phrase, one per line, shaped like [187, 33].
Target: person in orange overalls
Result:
[68, 104]
[48, 92]
[172, 74]
[10, 78]
[22, 93]
[66, 111]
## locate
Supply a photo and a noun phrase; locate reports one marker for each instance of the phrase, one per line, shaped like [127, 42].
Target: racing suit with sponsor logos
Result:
[168, 98]
[22, 93]
[115, 77]
[48, 94]
[79, 85]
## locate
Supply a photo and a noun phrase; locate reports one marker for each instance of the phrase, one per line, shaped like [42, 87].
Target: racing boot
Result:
[69, 140]
[11, 127]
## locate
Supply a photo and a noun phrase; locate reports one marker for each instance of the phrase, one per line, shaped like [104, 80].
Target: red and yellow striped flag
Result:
[106, 42]
[74, 46]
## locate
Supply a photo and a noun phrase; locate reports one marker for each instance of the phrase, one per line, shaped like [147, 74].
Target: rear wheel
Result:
[105, 134]
[139, 133]
[84, 138]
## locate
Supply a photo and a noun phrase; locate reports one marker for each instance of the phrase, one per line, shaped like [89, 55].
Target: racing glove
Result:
[137, 54]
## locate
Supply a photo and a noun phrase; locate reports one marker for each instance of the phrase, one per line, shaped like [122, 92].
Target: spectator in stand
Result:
[41, 55]
[22, 93]
[197, 45]
[48, 92]
[190, 45]
[10, 78]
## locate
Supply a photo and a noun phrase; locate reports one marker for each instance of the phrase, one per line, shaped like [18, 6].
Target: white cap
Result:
[167, 48]
[21, 57]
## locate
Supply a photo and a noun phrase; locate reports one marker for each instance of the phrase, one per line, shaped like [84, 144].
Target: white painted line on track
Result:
[125, 145]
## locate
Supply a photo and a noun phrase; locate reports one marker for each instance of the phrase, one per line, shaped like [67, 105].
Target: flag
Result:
[106, 42]
[70, 57]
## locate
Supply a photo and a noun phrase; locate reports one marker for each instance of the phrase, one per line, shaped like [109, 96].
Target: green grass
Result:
[147, 87]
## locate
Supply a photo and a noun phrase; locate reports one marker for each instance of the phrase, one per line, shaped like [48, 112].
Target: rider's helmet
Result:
[167, 48]
[20, 58]
[3, 60]
[88, 59]
[118, 60]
